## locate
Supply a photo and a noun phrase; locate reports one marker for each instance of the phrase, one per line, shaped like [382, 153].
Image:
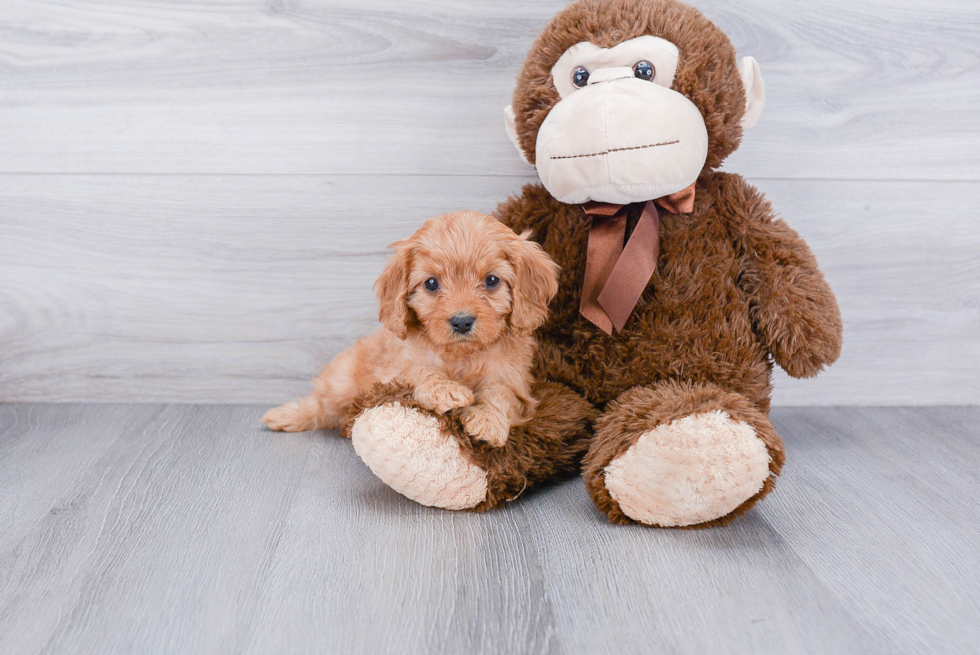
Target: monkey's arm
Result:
[793, 308]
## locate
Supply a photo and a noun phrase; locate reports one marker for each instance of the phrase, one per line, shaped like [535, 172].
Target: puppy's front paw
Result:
[488, 426]
[444, 396]
[291, 417]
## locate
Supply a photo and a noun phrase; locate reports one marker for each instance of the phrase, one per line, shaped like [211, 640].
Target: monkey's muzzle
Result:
[620, 140]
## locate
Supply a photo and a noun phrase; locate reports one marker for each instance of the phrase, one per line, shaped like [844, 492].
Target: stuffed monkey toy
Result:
[679, 287]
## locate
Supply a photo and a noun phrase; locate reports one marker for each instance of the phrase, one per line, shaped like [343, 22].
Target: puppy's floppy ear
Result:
[392, 290]
[535, 284]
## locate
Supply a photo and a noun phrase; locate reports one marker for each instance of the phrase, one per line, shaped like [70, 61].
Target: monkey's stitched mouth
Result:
[606, 152]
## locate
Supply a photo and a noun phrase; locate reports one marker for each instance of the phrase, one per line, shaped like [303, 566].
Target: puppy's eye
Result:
[580, 76]
[644, 70]
[431, 284]
[491, 281]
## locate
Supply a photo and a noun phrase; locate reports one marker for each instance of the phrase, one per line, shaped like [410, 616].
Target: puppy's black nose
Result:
[462, 323]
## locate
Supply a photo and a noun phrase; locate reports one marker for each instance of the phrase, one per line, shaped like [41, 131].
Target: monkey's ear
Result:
[392, 290]
[511, 123]
[535, 284]
[755, 91]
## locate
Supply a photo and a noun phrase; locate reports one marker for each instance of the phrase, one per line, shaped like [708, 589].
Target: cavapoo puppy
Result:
[460, 300]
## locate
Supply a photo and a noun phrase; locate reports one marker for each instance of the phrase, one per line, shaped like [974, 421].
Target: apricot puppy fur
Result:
[460, 300]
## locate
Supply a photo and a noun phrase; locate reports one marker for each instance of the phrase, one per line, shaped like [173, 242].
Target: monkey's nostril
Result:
[610, 74]
[462, 323]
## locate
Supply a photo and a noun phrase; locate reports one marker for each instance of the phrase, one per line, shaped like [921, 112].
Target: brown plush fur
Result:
[732, 285]
[484, 372]
[735, 289]
[547, 449]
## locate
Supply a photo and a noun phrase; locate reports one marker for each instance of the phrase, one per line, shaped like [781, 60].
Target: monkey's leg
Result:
[430, 458]
[681, 454]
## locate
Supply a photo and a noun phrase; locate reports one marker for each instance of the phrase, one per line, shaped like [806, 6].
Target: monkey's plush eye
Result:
[431, 284]
[492, 281]
[644, 70]
[580, 76]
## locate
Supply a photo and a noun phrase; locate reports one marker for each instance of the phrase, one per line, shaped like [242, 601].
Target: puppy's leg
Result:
[297, 416]
[490, 417]
[333, 392]
[437, 392]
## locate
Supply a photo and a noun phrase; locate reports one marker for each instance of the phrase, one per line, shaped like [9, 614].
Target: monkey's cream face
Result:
[619, 133]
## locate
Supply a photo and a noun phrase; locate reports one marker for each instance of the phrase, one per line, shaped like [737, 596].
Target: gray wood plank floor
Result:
[191, 529]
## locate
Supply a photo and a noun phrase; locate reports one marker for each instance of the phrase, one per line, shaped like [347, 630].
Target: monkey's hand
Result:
[793, 309]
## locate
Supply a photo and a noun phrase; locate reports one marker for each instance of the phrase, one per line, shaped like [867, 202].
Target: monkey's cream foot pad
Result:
[689, 471]
[409, 452]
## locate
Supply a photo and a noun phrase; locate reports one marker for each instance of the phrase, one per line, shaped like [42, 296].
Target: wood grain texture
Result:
[239, 288]
[194, 196]
[868, 89]
[149, 529]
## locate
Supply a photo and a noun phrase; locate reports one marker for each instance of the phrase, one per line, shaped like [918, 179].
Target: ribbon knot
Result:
[616, 275]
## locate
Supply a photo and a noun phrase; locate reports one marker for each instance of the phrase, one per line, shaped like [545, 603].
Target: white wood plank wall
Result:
[195, 195]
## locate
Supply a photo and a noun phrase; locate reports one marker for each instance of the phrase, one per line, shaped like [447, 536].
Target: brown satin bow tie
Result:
[615, 276]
